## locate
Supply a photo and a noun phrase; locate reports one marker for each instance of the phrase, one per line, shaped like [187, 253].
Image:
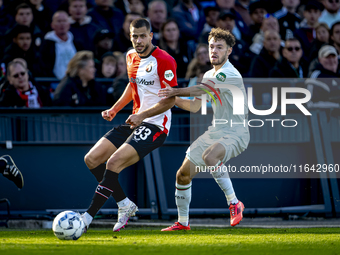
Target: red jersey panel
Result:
[146, 76]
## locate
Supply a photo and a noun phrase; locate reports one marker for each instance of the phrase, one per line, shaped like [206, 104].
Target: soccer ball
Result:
[68, 225]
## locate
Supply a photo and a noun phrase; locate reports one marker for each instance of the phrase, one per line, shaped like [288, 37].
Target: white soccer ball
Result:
[68, 225]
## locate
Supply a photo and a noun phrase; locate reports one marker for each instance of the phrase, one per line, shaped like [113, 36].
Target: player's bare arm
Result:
[136, 119]
[188, 105]
[196, 90]
[120, 104]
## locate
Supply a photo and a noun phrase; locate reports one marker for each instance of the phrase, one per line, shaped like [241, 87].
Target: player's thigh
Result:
[100, 152]
[124, 156]
[214, 153]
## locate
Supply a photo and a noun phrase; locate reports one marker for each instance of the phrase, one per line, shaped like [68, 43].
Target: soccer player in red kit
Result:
[149, 69]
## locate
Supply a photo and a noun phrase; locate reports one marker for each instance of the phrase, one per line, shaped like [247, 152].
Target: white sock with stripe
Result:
[223, 180]
[183, 199]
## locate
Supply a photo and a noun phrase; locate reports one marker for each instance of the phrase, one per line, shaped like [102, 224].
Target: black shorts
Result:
[144, 138]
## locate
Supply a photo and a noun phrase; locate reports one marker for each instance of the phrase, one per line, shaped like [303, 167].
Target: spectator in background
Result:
[22, 47]
[211, 14]
[58, 47]
[24, 16]
[21, 92]
[242, 7]
[121, 80]
[105, 16]
[323, 85]
[103, 42]
[82, 27]
[270, 54]
[330, 14]
[137, 6]
[42, 15]
[322, 38]
[257, 11]
[122, 40]
[6, 21]
[189, 18]
[178, 48]
[157, 14]
[290, 66]
[306, 33]
[201, 58]
[108, 66]
[241, 29]
[288, 19]
[78, 87]
[269, 23]
[263, 63]
[335, 36]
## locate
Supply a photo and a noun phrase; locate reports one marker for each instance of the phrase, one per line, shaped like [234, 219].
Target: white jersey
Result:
[237, 125]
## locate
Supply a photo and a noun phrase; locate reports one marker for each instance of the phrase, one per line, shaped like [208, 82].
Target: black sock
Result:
[108, 186]
[98, 172]
[3, 165]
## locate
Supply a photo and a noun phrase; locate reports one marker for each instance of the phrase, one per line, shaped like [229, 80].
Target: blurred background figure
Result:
[288, 19]
[137, 6]
[178, 48]
[157, 15]
[201, 58]
[78, 87]
[58, 47]
[42, 15]
[21, 47]
[321, 38]
[122, 40]
[190, 19]
[290, 65]
[330, 14]
[108, 67]
[335, 36]
[106, 16]
[211, 14]
[257, 11]
[306, 33]
[82, 27]
[21, 92]
[103, 42]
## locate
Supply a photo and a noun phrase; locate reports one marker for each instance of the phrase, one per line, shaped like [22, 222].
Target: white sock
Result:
[223, 180]
[88, 219]
[183, 199]
[124, 202]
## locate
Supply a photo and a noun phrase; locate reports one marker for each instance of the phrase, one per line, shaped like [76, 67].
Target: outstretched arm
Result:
[188, 105]
[120, 104]
[196, 90]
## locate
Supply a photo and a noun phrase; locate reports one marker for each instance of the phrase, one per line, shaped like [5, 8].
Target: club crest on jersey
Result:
[169, 75]
[221, 77]
[148, 68]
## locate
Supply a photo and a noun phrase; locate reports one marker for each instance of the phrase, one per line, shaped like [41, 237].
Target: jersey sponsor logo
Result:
[148, 68]
[141, 81]
[169, 75]
[221, 77]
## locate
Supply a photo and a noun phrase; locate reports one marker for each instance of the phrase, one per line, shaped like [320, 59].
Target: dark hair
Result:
[221, 34]
[333, 27]
[19, 29]
[293, 39]
[133, 13]
[139, 23]
[209, 9]
[71, 1]
[14, 63]
[22, 6]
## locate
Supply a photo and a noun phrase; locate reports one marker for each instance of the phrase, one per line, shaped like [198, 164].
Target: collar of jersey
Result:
[154, 48]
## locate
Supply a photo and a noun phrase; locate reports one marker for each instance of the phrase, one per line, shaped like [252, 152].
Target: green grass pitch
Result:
[150, 240]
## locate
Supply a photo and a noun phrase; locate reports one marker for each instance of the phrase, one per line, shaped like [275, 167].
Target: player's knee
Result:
[90, 161]
[182, 178]
[114, 163]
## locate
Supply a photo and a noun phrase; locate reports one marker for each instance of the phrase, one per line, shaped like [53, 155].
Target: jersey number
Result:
[143, 133]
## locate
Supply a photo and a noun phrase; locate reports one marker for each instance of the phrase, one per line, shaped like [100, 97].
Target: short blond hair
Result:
[78, 61]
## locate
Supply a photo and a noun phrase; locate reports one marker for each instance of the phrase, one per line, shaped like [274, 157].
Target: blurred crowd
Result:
[77, 41]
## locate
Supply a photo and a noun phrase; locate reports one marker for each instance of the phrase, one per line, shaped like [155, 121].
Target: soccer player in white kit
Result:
[219, 143]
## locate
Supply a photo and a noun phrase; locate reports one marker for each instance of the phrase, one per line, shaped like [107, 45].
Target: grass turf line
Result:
[197, 241]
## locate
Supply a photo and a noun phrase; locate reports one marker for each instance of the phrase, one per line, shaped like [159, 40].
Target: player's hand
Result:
[134, 120]
[108, 115]
[168, 91]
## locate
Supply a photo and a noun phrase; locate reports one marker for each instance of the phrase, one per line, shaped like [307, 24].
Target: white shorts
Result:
[232, 147]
